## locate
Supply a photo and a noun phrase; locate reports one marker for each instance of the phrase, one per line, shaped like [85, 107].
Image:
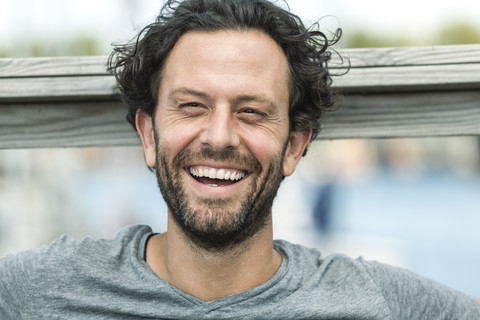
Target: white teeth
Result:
[212, 173]
[221, 174]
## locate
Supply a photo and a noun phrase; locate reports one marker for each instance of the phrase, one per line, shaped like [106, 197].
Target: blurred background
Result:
[414, 203]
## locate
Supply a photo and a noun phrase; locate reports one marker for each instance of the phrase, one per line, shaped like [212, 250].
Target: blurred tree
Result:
[366, 39]
[77, 46]
[83, 46]
[458, 33]
[453, 33]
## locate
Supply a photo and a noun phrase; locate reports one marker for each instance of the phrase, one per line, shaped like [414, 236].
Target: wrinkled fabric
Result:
[109, 279]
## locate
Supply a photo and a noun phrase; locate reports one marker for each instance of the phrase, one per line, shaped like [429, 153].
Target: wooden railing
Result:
[388, 92]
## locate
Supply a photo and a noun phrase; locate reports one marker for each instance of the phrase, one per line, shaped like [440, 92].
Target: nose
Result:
[220, 132]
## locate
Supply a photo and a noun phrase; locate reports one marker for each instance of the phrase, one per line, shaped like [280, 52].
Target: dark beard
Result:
[221, 230]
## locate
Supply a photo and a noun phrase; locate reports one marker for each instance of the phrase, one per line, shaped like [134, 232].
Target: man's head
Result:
[137, 66]
[218, 112]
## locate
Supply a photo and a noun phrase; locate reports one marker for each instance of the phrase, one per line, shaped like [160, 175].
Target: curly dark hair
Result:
[138, 65]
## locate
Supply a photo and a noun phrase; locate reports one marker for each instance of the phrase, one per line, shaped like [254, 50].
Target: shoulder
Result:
[405, 294]
[66, 247]
[130, 235]
[53, 272]
[92, 253]
[62, 252]
[311, 258]
[340, 266]
[336, 282]
[408, 293]
[334, 269]
[297, 252]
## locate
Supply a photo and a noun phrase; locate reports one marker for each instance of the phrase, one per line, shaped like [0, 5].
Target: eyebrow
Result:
[248, 98]
[186, 91]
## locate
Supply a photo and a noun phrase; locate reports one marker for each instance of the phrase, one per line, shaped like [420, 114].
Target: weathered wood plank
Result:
[73, 124]
[426, 114]
[410, 78]
[359, 58]
[58, 88]
[368, 79]
[52, 66]
[410, 56]
[79, 124]
[389, 92]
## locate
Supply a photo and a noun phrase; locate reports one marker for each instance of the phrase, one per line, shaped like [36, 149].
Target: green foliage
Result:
[454, 33]
[363, 39]
[459, 33]
[78, 46]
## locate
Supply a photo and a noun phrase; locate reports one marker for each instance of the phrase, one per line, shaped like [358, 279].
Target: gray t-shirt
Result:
[109, 279]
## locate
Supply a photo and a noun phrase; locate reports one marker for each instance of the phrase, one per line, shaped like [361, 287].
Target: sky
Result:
[118, 20]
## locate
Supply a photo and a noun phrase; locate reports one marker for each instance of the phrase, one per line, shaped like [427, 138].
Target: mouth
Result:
[217, 177]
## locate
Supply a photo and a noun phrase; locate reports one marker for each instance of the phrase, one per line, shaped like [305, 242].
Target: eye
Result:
[190, 104]
[251, 115]
[193, 109]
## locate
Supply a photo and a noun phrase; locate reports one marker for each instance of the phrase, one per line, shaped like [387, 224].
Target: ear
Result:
[146, 131]
[297, 143]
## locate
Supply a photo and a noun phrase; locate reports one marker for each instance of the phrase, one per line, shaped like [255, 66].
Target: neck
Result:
[211, 275]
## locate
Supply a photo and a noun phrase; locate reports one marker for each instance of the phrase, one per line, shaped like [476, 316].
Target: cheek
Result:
[175, 141]
[265, 147]
[175, 138]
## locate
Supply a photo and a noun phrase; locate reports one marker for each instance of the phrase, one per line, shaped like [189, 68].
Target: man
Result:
[225, 95]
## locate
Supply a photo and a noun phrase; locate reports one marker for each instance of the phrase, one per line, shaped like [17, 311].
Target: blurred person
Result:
[225, 96]
[322, 208]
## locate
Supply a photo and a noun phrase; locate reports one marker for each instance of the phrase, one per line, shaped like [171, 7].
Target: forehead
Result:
[242, 59]
[250, 44]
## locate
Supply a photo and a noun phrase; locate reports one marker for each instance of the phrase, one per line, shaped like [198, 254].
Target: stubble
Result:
[219, 224]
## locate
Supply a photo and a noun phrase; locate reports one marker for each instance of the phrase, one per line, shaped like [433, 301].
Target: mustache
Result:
[230, 156]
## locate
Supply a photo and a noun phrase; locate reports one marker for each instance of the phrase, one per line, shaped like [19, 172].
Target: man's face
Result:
[220, 142]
